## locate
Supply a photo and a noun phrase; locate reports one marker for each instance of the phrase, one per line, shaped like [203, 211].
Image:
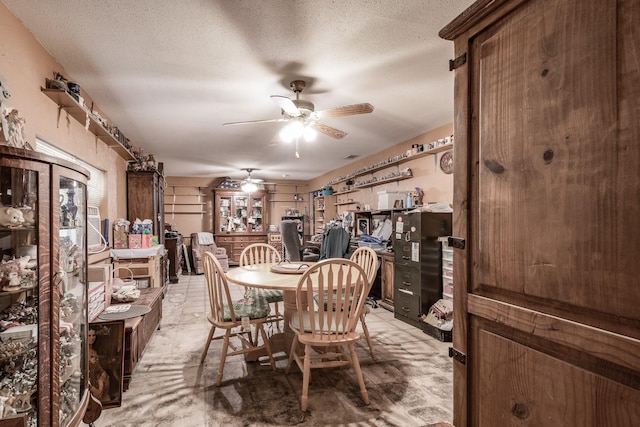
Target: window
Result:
[95, 185]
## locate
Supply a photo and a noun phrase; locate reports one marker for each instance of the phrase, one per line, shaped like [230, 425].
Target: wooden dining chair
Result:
[330, 324]
[262, 253]
[227, 315]
[367, 259]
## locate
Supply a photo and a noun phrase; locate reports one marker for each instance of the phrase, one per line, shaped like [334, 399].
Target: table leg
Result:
[289, 299]
[279, 341]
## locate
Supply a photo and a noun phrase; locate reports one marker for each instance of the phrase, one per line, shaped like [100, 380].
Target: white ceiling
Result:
[169, 73]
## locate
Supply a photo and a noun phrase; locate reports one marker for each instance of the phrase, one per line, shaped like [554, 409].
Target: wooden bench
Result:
[138, 331]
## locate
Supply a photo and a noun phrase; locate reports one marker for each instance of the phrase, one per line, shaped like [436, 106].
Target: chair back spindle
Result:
[339, 286]
[259, 253]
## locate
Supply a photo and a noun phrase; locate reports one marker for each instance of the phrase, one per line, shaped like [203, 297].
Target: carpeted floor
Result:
[410, 385]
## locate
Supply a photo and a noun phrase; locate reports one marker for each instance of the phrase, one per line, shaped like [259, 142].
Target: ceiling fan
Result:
[249, 184]
[304, 119]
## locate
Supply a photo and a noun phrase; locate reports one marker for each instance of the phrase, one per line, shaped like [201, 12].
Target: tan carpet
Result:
[410, 385]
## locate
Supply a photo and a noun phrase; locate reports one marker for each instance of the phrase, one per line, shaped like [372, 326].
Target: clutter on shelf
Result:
[416, 149]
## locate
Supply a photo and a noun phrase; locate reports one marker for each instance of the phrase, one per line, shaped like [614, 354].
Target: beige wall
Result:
[25, 64]
[437, 186]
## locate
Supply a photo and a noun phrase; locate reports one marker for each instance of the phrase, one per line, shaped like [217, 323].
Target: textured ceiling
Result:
[169, 73]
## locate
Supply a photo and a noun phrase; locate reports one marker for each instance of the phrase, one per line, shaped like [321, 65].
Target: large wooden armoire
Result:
[546, 202]
[145, 199]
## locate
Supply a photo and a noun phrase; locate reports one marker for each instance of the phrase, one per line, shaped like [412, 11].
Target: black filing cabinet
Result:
[418, 262]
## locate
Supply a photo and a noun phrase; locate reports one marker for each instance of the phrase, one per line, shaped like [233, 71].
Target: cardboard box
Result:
[97, 299]
[142, 228]
[99, 272]
[147, 240]
[100, 277]
[120, 233]
[135, 241]
[437, 333]
[387, 199]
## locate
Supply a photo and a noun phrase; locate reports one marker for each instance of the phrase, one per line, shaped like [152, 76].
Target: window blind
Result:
[95, 185]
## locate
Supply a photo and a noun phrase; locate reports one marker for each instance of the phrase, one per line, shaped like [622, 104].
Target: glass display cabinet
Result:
[43, 290]
[240, 213]
[239, 220]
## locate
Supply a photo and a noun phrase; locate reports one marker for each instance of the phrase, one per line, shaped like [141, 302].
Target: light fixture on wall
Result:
[249, 185]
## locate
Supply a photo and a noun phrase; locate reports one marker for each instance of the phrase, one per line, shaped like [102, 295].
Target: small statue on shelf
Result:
[15, 130]
[417, 196]
[12, 124]
[11, 217]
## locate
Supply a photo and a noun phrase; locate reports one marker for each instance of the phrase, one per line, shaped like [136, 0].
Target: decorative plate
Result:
[446, 162]
[287, 268]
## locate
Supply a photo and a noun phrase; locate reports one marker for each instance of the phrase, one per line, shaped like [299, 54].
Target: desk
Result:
[260, 276]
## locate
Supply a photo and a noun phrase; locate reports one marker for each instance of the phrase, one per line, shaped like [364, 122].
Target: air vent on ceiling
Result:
[351, 157]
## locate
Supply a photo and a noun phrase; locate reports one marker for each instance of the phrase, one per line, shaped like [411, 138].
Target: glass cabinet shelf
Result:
[43, 290]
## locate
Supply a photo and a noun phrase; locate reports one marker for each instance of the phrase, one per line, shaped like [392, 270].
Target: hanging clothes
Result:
[335, 243]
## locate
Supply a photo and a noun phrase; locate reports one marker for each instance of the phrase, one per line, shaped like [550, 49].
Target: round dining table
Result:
[282, 276]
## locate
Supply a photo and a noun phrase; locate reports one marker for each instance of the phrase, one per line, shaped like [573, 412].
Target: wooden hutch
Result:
[239, 220]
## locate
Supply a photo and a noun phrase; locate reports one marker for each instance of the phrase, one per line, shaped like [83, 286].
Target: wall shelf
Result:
[187, 213]
[340, 193]
[383, 165]
[352, 202]
[68, 104]
[384, 181]
[186, 199]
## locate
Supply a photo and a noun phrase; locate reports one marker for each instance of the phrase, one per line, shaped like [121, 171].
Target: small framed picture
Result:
[106, 361]
[363, 226]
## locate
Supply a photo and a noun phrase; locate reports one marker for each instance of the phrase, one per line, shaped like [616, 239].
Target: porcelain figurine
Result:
[11, 217]
[29, 215]
[4, 109]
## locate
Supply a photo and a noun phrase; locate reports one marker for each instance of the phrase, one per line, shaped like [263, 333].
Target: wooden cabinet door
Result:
[145, 199]
[387, 282]
[546, 195]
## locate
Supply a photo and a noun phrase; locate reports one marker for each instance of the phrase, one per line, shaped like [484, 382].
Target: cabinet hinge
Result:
[456, 242]
[457, 355]
[455, 63]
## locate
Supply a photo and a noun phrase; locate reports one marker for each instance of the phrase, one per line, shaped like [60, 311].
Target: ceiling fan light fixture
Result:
[249, 187]
[309, 134]
[292, 131]
[286, 134]
[300, 113]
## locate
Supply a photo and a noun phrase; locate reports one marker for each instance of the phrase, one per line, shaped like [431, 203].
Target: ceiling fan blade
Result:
[287, 105]
[247, 122]
[329, 131]
[347, 110]
[275, 140]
